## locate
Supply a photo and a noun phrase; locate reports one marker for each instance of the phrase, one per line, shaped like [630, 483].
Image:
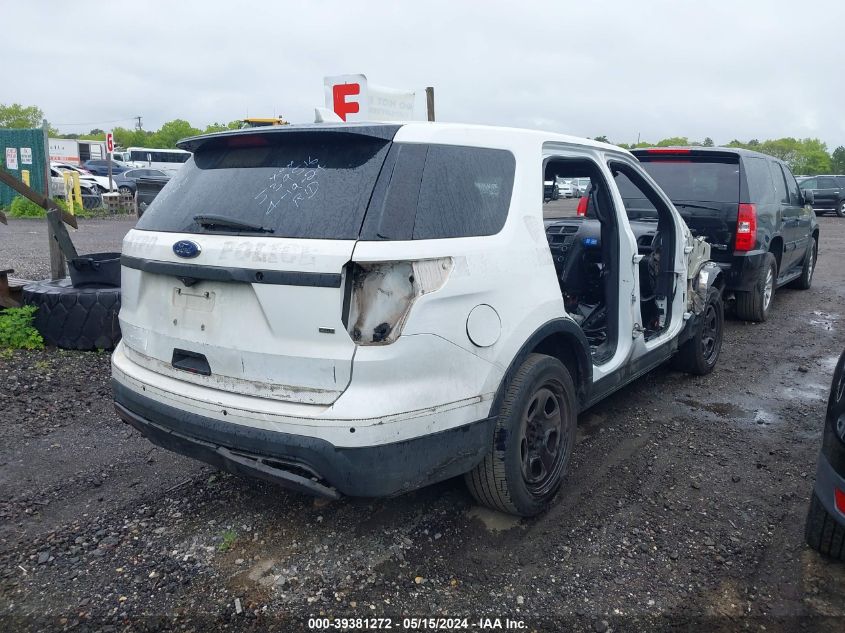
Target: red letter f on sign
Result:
[342, 107]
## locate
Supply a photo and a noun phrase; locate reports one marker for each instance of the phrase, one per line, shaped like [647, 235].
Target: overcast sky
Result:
[724, 69]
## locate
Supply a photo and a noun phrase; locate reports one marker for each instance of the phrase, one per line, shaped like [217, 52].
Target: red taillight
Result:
[582, 206]
[746, 227]
[667, 150]
[839, 499]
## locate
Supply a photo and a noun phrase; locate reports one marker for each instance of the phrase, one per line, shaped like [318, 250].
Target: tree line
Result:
[808, 156]
[17, 116]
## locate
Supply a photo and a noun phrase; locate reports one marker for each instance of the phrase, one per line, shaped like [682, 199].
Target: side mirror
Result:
[808, 196]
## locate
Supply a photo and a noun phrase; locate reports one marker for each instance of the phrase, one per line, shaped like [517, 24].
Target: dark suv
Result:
[758, 222]
[828, 193]
[825, 527]
[101, 167]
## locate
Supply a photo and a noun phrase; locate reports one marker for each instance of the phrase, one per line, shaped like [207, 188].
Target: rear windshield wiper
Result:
[694, 206]
[222, 222]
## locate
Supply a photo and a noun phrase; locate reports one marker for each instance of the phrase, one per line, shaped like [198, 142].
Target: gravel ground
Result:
[683, 508]
[23, 243]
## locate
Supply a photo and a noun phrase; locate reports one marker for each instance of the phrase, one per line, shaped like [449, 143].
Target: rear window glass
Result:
[637, 206]
[759, 178]
[442, 191]
[308, 186]
[696, 179]
[781, 194]
[827, 182]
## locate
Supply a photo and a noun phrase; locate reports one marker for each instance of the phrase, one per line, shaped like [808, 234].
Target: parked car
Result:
[57, 184]
[828, 193]
[370, 344]
[126, 182]
[100, 167]
[565, 188]
[90, 194]
[825, 527]
[147, 190]
[550, 190]
[99, 183]
[759, 224]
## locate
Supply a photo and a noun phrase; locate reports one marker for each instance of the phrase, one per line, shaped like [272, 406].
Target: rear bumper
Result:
[741, 273]
[307, 464]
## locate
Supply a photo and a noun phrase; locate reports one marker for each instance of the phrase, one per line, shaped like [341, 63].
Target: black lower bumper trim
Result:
[308, 464]
[225, 459]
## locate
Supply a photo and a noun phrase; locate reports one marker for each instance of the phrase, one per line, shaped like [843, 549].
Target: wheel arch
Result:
[561, 339]
[776, 249]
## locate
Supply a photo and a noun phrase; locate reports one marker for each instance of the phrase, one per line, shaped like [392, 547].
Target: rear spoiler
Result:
[275, 134]
[683, 152]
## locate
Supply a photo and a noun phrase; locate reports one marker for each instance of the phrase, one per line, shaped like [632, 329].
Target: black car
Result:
[127, 181]
[828, 193]
[825, 528]
[759, 224]
[148, 188]
[101, 167]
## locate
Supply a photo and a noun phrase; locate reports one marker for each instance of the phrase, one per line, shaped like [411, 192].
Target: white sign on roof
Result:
[353, 98]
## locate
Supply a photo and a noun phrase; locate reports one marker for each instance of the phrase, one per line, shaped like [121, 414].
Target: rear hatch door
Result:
[235, 276]
[704, 187]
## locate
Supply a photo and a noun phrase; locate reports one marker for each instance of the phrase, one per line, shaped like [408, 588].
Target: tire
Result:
[823, 532]
[755, 304]
[840, 209]
[539, 410]
[75, 318]
[806, 279]
[124, 190]
[699, 355]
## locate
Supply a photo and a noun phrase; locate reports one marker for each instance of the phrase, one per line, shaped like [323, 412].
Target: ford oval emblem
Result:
[186, 249]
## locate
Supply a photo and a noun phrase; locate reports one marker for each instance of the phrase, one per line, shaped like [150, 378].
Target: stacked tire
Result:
[80, 318]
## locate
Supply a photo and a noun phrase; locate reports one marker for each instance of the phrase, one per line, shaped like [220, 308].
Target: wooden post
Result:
[58, 268]
[28, 192]
[429, 102]
[108, 161]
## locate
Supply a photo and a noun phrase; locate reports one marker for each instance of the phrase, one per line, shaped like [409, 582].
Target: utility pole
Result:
[429, 102]
[137, 125]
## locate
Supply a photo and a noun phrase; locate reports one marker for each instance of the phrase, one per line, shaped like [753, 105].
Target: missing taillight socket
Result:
[382, 293]
[381, 332]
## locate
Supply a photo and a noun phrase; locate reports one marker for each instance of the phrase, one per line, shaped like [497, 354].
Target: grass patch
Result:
[228, 540]
[25, 208]
[17, 331]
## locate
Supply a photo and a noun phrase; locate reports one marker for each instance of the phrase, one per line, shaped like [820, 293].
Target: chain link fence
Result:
[22, 150]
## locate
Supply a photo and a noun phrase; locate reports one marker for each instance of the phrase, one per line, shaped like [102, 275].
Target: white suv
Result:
[367, 309]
